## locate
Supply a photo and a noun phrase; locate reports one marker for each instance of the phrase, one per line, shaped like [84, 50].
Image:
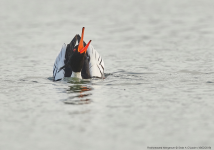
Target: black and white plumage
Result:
[88, 66]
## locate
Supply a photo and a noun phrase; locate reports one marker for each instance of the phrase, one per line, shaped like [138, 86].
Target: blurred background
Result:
[158, 91]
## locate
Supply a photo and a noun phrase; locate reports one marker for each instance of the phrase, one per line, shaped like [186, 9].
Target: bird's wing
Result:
[59, 62]
[61, 68]
[95, 63]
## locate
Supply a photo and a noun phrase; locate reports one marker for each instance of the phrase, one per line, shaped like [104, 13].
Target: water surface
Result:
[158, 55]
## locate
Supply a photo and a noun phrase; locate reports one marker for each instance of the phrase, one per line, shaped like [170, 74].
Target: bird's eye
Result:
[74, 50]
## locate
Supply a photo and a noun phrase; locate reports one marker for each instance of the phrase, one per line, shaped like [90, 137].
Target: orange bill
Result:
[81, 45]
[85, 48]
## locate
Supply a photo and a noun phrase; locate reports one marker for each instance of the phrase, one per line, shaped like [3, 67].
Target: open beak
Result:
[81, 48]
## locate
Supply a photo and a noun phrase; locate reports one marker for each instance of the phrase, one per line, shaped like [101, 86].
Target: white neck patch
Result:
[76, 75]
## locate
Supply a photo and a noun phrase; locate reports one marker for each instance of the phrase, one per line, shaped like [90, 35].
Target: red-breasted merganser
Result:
[78, 60]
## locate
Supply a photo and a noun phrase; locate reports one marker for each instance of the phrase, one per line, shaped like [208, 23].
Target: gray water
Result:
[159, 65]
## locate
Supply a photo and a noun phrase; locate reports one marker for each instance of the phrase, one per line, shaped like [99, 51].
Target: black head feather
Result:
[73, 59]
[76, 60]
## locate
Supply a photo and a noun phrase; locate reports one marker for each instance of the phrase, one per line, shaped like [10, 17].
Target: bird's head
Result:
[78, 54]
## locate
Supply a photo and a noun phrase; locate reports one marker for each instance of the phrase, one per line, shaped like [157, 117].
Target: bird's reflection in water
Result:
[80, 91]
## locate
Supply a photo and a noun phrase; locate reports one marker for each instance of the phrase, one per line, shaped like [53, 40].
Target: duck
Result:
[78, 60]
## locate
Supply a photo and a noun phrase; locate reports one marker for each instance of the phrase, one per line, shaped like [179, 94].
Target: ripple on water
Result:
[78, 90]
